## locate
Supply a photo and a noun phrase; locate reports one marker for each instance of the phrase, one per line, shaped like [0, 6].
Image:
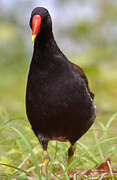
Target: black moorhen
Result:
[59, 103]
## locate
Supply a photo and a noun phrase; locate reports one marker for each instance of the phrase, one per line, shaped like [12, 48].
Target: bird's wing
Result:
[79, 71]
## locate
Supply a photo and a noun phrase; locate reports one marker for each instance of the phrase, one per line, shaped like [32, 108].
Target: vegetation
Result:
[20, 153]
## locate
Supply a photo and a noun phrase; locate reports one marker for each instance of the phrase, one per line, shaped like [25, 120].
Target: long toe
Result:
[44, 171]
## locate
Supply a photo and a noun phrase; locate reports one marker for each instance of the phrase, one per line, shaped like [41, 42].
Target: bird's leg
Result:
[44, 169]
[46, 158]
[70, 153]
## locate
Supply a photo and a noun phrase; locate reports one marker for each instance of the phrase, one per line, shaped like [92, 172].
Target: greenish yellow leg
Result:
[70, 154]
[44, 170]
[46, 159]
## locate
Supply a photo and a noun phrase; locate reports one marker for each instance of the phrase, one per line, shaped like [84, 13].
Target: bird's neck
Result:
[45, 44]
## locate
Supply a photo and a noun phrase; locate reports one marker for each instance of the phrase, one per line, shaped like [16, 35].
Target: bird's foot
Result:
[44, 169]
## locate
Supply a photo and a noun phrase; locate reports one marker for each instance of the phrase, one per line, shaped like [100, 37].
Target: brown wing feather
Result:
[79, 71]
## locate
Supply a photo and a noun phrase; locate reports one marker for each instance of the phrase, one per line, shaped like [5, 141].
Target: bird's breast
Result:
[57, 95]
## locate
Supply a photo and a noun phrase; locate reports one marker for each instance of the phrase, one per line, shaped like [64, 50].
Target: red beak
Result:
[36, 22]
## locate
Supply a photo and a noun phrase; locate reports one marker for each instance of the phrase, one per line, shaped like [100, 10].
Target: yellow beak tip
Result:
[33, 37]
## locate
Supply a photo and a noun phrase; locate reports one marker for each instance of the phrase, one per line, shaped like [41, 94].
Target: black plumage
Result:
[59, 104]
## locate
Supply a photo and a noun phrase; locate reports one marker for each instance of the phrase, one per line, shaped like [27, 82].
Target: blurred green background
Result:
[85, 30]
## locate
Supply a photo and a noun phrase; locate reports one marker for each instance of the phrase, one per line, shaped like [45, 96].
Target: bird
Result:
[59, 103]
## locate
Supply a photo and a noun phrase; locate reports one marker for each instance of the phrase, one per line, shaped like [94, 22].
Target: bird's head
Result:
[40, 21]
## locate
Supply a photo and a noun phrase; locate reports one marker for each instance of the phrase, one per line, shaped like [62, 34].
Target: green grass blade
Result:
[11, 177]
[63, 169]
[89, 153]
[14, 119]
[98, 145]
[102, 176]
[110, 170]
[34, 160]
[107, 140]
[75, 177]
[110, 121]
[11, 166]
[26, 158]
[102, 126]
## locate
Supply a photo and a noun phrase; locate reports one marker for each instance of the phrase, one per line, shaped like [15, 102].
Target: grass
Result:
[21, 154]
[87, 155]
